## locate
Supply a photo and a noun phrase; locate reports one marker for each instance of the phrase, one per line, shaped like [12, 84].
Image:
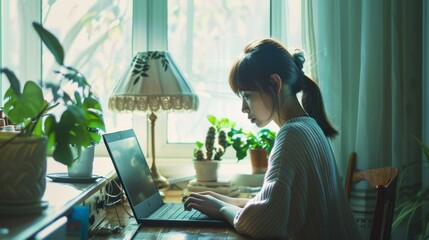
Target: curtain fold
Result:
[369, 68]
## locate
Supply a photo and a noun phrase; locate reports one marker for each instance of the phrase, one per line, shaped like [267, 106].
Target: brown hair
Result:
[262, 58]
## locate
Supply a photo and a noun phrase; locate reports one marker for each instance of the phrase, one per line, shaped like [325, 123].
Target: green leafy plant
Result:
[243, 141]
[71, 119]
[210, 149]
[407, 210]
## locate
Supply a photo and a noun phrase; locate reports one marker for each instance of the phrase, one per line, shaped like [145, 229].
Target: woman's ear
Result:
[276, 82]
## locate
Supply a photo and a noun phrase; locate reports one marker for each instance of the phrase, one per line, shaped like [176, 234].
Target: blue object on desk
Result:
[77, 224]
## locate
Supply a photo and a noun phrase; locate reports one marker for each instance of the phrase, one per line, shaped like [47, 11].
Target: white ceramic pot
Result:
[82, 167]
[206, 171]
[22, 169]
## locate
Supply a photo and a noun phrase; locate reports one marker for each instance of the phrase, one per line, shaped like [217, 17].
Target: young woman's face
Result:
[257, 106]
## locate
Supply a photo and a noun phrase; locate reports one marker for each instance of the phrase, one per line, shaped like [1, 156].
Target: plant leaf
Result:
[199, 144]
[49, 128]
[51, 42]
[13, 80]
[94, 118]
[212, 119]
[63, 153]
[78, 78]
[28, 105]
[74, 123]
[423, 146]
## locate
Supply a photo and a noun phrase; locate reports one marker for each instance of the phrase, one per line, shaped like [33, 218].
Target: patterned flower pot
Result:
[22, 169]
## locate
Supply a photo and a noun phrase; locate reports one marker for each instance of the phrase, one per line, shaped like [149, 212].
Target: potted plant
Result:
[258, 144]
[408, 211]
[63, 125]
[208, 155]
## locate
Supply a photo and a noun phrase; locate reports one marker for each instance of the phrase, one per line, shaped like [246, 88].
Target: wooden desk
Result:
[60, 197]
[119, 215]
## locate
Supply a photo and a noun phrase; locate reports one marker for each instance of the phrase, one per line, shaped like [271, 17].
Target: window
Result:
[95, 35]
[204, 38]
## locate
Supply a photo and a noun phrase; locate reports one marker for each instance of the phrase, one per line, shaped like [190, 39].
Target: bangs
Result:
[243, 76]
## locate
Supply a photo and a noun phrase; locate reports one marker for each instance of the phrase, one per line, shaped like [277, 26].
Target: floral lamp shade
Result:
[153, 83]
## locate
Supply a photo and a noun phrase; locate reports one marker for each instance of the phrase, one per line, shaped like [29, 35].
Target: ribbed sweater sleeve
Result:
[302, 194]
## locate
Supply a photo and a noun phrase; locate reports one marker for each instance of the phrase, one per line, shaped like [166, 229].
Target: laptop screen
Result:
[131, 165]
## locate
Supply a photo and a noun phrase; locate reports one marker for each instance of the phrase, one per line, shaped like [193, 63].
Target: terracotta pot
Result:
[259, 160]
[206, 171]
[22, 169]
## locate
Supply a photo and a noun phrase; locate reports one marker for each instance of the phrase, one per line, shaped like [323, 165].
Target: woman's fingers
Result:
[195, 206]
[192, 201]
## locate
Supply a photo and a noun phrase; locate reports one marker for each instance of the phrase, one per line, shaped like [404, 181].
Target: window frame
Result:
[150, 27]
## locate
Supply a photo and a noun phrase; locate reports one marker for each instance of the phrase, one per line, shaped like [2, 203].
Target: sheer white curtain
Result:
[369, 59]
[369, 67]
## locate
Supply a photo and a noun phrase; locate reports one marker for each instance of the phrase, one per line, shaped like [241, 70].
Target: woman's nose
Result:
[244, 107]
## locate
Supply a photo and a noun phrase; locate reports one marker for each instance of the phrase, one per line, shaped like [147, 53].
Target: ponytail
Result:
[313, 104]
[312, 100]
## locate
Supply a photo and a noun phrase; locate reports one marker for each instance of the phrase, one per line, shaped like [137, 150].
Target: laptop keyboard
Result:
[177, 212]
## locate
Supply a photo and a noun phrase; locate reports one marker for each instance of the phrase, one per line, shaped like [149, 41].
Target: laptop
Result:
[143, 196]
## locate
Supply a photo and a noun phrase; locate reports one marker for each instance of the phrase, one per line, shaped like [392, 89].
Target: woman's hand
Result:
[213, 205]
[206, 203]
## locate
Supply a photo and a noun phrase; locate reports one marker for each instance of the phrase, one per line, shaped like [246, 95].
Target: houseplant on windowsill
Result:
[258, 145]
[62, 125]
[207, 156]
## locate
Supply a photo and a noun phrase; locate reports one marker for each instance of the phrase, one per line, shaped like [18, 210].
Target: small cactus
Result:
[210, 140]
[199, 155]
[219, 153]
[222, 139]
[216, 140]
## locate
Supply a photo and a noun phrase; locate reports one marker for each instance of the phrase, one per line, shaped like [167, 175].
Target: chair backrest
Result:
[384, 180]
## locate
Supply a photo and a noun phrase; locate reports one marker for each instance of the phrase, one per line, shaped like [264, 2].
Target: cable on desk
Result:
[109, 189]
[114, 203]
[129, 214]
[121, 193]
[117, 216]
[109, 229]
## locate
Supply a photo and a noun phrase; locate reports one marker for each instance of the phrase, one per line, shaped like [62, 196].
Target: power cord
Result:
[109, 229]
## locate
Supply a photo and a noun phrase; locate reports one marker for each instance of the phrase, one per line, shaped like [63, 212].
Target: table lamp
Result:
[153, 83]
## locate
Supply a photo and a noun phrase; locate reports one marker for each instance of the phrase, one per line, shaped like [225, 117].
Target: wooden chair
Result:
[384, 180]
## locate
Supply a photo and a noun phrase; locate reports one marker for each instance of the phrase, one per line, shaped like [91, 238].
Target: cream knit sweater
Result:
[302, 196]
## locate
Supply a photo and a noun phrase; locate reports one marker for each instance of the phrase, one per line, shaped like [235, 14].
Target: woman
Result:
[302, 196]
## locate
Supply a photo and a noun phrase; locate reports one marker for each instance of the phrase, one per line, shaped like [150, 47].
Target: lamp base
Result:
[160, 181]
